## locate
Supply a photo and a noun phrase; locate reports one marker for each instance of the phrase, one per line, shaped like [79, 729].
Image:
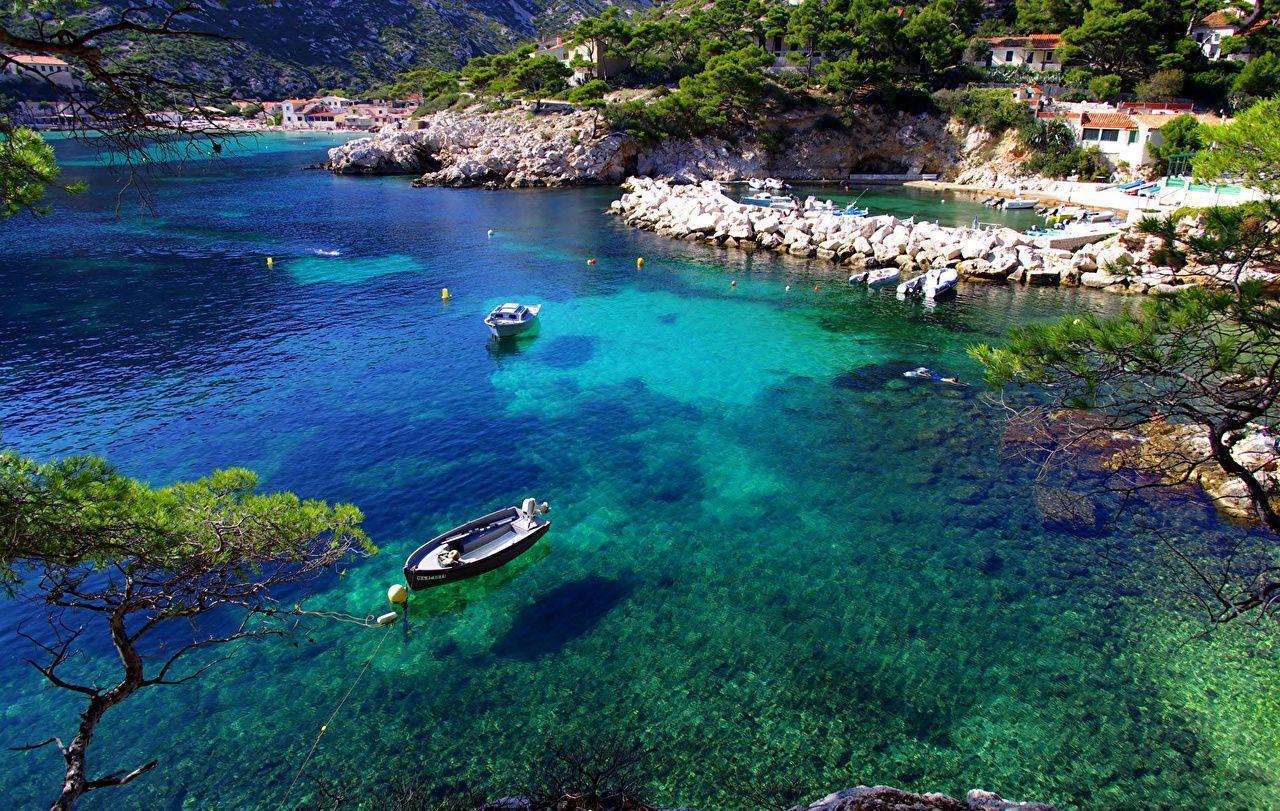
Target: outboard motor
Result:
[529, 507]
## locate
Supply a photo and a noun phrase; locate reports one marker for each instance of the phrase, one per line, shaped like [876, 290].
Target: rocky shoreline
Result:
[1116, 262]
[563, 146]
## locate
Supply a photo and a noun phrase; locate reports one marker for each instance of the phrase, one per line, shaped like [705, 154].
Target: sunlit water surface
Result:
[770, 554]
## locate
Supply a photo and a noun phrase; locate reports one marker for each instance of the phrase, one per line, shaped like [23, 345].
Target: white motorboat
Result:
[765, 198]
[1018, 203]
[477, 546]
[512, 319]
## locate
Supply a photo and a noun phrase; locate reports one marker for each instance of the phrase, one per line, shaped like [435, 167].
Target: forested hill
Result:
[290, 47]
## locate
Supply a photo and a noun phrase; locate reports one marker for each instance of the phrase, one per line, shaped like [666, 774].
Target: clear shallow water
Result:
[769, 554]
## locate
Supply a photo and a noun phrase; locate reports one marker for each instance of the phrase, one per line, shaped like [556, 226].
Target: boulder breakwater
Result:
[1119, 262]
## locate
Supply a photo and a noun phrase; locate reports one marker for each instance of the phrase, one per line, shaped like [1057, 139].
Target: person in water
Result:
[924, 372]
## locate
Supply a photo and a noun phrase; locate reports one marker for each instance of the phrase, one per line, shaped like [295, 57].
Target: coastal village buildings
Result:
[1124, 133]
[1037, 52]
[33, 66]
[585, 59]
[339, 112]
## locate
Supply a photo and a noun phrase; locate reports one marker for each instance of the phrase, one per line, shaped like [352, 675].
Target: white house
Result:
[336, 104]
[1210, 31]
[291, 113]
[785, 55]
[1116, 135]
[1035, 51]
[36, 66]
[565, 52]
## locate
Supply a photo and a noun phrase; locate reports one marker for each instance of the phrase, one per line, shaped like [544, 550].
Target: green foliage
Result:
[426, 82]
[1047, 136]
[1247, 149]
[1107, 87]
[1181, 135]
[1087, 163]
[27, 168]
[80, 511]
[1111, 39]
[593, 90]
[994, 109]
[1259, 78]
[540, 75]
[1163, 85]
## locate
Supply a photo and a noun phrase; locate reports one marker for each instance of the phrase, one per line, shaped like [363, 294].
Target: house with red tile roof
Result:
[1212, 30]
[1035, 51]
[38, 66]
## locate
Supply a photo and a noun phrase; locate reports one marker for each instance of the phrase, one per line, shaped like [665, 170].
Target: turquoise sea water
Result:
[770, 554]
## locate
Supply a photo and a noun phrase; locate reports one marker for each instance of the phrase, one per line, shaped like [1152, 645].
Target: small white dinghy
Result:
[883, 277]
[939, 282]
[512, 319]
[1018, 202]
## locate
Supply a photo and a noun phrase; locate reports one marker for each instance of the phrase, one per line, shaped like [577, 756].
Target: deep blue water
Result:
[770, 554]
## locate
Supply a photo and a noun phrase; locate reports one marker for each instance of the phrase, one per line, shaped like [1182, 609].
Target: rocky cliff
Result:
[291, 47]
[522, 148]
[514, 148]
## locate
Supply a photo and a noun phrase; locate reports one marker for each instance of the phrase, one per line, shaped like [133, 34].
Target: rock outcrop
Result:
[512, 148]
[884, 798]
[862, 798]
[521, 147]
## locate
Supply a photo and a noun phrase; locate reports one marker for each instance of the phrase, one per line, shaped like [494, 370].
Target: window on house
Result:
[1111, 135]
[1008, 56]
[1090, 134]
[1133, 136]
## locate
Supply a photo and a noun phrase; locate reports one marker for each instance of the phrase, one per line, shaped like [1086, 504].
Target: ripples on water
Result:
[771, 555]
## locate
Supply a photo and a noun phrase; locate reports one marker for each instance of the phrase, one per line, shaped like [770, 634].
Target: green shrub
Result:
[995, 109]
[1087, 164]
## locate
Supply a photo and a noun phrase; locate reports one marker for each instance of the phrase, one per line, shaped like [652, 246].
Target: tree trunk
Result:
[76, 781]
[1257, 493]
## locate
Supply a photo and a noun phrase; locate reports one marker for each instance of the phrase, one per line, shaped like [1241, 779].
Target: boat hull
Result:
[419, 579]
[510, 330]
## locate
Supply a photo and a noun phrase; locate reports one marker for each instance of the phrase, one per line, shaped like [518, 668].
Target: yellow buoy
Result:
[397, 594]
[445, 295]
[270, 261]
[640, 263]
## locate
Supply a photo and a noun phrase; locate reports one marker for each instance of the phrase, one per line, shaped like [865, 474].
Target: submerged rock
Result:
[884, 798]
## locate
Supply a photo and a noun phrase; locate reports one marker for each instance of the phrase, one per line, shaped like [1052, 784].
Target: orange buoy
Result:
[591, 261]
[733, 283]
[815, 288]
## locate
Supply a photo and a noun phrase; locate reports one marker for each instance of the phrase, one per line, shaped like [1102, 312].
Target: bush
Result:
[1105, 88]
[591, 91]
[1087, 164]
[995, 110]
[1162, 85]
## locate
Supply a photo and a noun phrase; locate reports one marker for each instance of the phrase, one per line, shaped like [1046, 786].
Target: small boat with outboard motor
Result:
[511, 319]
[477, 546]
[931, 285]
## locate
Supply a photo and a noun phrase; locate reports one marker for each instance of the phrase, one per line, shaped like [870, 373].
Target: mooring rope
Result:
[325, 727]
